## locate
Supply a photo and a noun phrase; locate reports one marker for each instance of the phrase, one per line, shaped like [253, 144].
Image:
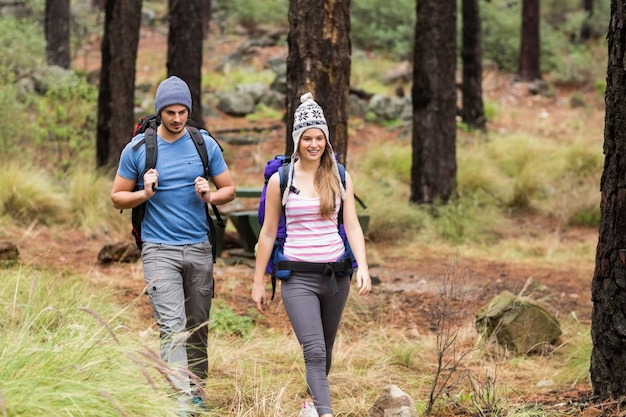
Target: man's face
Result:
[174, 118]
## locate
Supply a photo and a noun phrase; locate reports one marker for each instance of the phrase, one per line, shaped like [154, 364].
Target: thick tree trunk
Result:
[319, 62]
[184, 49]
[433, 170]
[608, 288]
[58, 33]
[473, 112]
[116, 100]
[530, 52]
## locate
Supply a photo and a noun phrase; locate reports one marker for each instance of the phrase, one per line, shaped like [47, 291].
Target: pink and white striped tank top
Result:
[309, 237]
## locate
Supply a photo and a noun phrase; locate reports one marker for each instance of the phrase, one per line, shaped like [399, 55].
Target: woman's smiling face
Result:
[312, 144]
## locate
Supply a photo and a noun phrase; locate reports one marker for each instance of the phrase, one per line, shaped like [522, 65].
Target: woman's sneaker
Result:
[308, 410]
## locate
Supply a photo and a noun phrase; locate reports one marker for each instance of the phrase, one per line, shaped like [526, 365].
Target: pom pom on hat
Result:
[173, 90]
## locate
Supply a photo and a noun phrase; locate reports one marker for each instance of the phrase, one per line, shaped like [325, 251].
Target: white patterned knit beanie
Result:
[172, 91]
[309, 115]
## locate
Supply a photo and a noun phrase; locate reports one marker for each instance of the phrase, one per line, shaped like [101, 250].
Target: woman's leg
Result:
[332, 306]
[315, 312]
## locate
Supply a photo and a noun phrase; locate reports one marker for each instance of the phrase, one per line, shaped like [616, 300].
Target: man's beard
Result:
[172, 130]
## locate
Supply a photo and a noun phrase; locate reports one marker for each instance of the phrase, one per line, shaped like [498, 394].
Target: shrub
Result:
[375, 25]
[251, 13]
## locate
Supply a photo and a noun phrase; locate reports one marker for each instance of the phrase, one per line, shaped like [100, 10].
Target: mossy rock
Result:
[518, 324]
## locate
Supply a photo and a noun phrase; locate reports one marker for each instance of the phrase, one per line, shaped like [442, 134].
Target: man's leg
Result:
[198, 286]
[164, 285]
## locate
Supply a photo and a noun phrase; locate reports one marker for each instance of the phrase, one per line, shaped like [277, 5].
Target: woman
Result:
[312, 199]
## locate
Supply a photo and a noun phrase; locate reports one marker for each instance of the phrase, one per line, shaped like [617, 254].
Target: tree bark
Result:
[57, 28]
[530, 52]
[184, 49]
[433, 170]
[319, 62]
[116, 99]
[608, 288]
[473, 112]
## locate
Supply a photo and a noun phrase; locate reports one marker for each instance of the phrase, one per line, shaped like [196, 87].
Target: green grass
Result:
[497, 178]
[70, 349]
[67, 350]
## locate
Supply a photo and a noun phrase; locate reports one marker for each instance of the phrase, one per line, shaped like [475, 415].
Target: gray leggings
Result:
[315, 313]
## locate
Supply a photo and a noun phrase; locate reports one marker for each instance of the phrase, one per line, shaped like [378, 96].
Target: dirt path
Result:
[409, 287]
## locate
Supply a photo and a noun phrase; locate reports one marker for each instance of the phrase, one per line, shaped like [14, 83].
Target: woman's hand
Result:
[363, 281]
[258, 296]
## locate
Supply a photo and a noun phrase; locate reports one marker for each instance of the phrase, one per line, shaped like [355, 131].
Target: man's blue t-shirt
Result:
[174, 215]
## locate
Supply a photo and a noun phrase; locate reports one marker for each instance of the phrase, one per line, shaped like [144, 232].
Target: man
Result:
[176, 253]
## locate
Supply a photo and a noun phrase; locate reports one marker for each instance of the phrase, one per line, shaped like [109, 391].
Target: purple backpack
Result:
[280, 164]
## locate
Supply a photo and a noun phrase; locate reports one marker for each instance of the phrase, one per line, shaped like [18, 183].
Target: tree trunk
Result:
[58, 33]
[319, 62]
[184, 49]
[585, 30]
[473, 112]
[608, 288]
[433, 170]
[530, 52]
[116, 100]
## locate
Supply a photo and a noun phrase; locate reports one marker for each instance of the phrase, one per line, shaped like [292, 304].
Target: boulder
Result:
[393, 402]
[517, 324]
[9, 254]
[127, 252]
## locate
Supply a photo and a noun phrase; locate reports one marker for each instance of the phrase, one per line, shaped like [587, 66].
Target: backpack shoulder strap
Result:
[342, 173]
[150, 141]
[151, 148]
[198, 141]
[283, 172]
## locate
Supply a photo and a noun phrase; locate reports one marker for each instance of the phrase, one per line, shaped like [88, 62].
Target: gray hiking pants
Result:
[315, 312]
[179, 282]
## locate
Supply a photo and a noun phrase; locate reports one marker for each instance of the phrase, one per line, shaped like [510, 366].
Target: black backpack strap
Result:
[151, 148]
[283, 172]
[327, 268]
[139, 212]
[198, 141]
[342, 175]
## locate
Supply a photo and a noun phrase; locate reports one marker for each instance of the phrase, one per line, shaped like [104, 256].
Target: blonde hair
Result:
[327, 185]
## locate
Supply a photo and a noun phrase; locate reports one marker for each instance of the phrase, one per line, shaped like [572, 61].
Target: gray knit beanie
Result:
[172, 91]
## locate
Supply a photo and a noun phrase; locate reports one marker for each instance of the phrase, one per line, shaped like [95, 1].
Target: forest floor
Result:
[409, 287]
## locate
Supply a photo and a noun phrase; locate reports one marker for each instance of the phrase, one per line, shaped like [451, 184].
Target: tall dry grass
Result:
[68, 349]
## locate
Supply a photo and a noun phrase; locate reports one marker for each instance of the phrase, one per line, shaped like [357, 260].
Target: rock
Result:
[126, 252]
[393, 402]
[517, 324]
[386, 108]
[237, 104]
[9, 254]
